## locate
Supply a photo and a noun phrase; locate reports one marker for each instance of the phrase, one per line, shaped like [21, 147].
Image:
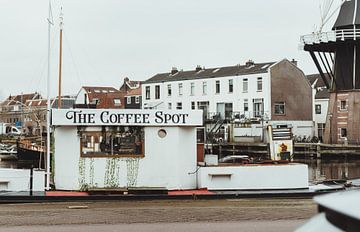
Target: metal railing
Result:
[330, 36]
[238, 115]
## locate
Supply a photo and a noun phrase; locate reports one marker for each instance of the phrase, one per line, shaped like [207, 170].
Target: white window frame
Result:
[192, 88]
[169, 90]
[259, 83]
[157, 92]
[231, 85]
[279, 104]
[147, 93]
[204, 88]
[341, 106]
[179, 105]
[245, 82]
[180, 85]
[117, 99]
[217, 84]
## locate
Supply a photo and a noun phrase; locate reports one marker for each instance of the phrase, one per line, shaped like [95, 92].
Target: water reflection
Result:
[332, 169]
[17, 164]
[318, 169]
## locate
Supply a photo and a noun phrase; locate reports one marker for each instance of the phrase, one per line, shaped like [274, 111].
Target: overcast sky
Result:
[107, 40]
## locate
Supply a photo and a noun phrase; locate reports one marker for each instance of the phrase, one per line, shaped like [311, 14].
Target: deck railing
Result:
[330, 36]
[237, 115]
[31, 146]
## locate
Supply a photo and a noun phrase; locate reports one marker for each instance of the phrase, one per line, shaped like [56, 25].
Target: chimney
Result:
[249, 63]
[294, 62]
[174, 70]
[198, 68]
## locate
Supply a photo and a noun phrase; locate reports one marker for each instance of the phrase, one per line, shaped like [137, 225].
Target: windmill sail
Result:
[328, 8]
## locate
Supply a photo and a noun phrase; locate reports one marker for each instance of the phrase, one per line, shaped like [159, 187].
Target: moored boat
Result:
[31, 151]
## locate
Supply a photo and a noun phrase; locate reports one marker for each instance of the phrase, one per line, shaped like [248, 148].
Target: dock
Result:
[301, 150]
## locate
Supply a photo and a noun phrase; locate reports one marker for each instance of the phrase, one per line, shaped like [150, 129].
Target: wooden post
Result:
[60, 59]
[318, 154]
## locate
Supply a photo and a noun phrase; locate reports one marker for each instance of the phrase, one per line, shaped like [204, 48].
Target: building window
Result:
[193, 105]
[245, 85]
[180, 89]
[259, 84]
[246, 105]
[343, 132]
[179, 106]
[157, 91]
[217, 87]
[321, 130]
[128, 100]
[231, 86]
[117, 102]
[279, 108]
[343, 105]
[95, 101]
[126, 141]
[169, 106]
[137, 99]
[317, 109]
[147, 92]
[204, 87]
[192, 88]
[169, 90]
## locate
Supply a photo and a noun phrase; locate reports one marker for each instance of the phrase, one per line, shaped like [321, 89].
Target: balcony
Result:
[330, 36]
[237, 116]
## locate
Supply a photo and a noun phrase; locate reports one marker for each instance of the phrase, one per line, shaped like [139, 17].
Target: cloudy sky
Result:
[107, 40]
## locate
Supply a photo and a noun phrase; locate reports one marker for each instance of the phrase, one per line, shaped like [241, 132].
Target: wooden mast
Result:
[60, 59]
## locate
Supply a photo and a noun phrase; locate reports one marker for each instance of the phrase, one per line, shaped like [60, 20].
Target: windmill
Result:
[336, 54]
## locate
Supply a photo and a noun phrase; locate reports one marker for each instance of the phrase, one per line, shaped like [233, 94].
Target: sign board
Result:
[125, 117]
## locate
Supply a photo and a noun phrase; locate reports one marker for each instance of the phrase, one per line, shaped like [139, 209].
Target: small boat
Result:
[31, 151]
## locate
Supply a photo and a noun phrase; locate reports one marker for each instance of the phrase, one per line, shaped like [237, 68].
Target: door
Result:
[220, 110]
[258, 107]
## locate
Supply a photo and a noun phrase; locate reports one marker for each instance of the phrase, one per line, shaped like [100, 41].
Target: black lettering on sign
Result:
[103, 117]
[158, 117]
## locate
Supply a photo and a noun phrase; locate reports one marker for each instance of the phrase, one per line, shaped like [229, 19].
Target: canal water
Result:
[332, 169]
[318, 169]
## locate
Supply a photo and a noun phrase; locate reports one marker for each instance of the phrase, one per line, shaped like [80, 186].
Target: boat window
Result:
[113, 142]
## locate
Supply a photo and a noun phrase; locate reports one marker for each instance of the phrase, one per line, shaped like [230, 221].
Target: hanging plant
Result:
[82, 182]
[132, 166]
[111, 173]
[91, 172]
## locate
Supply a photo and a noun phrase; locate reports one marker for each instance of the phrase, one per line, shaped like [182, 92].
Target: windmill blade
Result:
[327, 10]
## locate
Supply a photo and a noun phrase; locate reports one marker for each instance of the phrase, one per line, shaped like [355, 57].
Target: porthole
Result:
[162, 133]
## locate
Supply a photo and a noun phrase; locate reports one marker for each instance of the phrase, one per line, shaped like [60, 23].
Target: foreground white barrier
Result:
[19, 180]
[254, 177]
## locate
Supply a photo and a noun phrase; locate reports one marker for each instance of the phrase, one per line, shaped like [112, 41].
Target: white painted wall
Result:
[19, 180]
[236, 97]
[80, 98]
[254, 130]
[167, 162]
[320, 118]
[287, 176]
[299, 128]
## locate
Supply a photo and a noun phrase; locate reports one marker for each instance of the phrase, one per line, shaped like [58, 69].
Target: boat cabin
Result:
[119, 148]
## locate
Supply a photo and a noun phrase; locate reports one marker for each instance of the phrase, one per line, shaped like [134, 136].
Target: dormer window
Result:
[117, 102]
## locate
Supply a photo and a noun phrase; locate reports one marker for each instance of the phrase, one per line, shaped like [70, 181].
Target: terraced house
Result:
[253, 92]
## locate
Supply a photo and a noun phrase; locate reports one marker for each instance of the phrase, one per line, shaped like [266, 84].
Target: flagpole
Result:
[47, 185]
